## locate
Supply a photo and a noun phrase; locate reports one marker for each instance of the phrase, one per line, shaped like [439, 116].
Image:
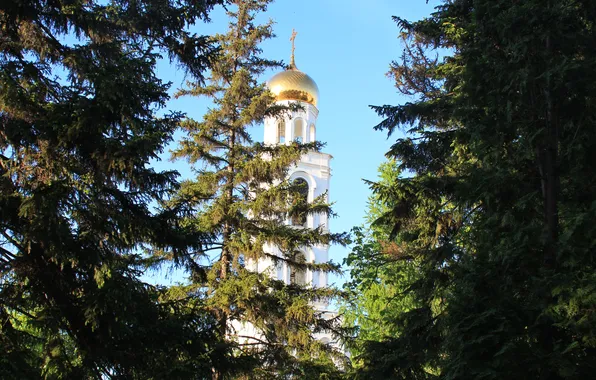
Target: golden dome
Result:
[293, 84]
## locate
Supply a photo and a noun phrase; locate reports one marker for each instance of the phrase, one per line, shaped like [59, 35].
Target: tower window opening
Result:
[300, 202]
[281, 132]
[298, 275]
[312, 133]
[298, 130]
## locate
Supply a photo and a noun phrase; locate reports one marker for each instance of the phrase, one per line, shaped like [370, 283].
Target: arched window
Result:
[281, 132]
[298, 132]
[312, 133]
[298, 275]
[299, 201]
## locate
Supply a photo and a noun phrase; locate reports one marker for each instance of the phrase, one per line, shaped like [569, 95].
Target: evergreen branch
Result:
[18, 309]
[258, 342]
[7, 254]
[13, 242]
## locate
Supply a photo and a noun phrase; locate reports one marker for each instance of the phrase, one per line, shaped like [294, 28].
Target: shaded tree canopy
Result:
[79, 103]
[497, 210]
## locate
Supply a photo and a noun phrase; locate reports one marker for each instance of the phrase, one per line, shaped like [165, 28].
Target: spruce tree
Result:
[241, 198]
[79, 100]
[498, 209]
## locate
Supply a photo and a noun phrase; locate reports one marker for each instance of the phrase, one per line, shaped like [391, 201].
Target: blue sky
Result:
[346, 47]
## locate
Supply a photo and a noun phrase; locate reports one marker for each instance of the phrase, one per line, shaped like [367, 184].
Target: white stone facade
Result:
[314, 168]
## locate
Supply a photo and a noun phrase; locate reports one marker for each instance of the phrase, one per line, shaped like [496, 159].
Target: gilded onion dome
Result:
[293, 84]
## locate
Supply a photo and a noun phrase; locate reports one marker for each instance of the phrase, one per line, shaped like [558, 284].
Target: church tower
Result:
[312, 171]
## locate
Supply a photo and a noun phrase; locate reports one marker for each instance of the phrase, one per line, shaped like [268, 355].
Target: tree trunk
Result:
[550, 188]
[225, 257]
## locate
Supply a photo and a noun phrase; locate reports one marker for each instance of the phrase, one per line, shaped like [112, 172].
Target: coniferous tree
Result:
[379, 274]
[78, 128]
[499, 212]
[242, 199]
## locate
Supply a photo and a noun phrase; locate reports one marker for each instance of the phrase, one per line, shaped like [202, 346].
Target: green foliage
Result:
[241, 199]
[379, 276]
[78, 127]
[498, 213]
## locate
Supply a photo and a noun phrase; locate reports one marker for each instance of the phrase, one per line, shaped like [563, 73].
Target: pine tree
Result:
[498, 212]
[78, 110]
[241, 198]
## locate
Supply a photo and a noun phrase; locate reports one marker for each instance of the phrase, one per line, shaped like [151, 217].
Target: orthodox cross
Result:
[293, 38]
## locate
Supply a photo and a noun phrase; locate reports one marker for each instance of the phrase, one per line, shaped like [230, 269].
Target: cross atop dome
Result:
[293, 84]
[293, 39]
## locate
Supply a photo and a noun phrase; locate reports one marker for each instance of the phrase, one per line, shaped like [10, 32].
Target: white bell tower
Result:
[291, 86]
[313, 171]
